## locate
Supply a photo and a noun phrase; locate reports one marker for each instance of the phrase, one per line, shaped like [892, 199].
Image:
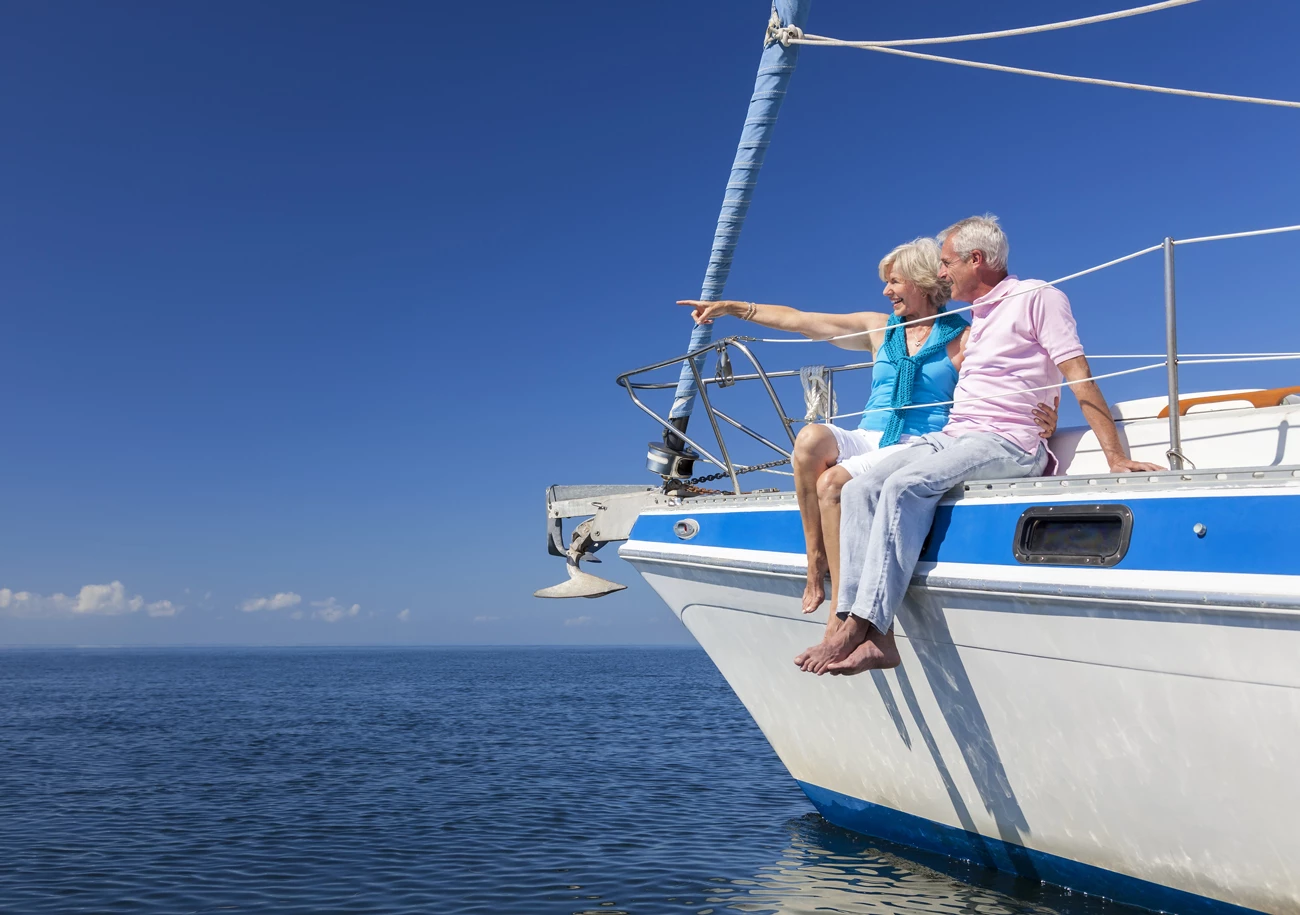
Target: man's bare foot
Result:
[815, 591]
[833, 623]
[834, 646]
[878, 652]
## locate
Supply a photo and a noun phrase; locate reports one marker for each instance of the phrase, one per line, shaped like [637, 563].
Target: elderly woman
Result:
[914, 364]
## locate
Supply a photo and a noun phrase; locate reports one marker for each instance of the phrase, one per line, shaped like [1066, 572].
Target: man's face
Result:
[959, 271]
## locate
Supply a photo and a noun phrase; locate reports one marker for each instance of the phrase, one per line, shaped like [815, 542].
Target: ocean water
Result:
[432, 780]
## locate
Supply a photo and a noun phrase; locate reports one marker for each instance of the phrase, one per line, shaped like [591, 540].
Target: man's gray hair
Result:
[979, 233]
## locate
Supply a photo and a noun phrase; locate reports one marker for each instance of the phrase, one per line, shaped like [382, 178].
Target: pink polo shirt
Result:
[1015, 344]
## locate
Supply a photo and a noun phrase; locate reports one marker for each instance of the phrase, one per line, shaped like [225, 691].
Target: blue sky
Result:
[306, 303]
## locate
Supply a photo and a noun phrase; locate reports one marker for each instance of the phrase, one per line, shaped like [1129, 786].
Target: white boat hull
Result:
[1136, 736]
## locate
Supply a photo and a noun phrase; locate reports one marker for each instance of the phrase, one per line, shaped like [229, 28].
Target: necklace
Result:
[917, 334]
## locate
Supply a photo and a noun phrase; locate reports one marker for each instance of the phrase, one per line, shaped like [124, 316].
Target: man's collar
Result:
[998, 292]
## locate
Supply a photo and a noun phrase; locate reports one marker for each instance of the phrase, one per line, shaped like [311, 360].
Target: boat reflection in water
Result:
[826, 869]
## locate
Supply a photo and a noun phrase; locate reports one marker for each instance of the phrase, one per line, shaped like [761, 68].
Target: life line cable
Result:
[787, 35]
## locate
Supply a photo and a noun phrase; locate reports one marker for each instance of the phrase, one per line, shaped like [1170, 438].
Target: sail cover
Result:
[774, 72]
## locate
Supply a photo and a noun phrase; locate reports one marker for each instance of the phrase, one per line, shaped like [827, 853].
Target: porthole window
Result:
[1073, 535]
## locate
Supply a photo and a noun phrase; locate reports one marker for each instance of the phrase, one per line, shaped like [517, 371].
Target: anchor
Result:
[612, 510]
[580, 583]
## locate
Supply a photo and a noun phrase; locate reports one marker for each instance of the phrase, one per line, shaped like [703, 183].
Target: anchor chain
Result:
[739, 470]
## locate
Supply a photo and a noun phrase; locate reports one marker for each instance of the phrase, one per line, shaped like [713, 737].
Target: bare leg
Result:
[828, 499]
[815, 452]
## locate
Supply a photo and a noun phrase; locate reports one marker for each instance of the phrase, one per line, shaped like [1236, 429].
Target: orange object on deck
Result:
[1270, 398]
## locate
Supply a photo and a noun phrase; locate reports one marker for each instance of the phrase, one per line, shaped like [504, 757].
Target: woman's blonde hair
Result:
[918, 261]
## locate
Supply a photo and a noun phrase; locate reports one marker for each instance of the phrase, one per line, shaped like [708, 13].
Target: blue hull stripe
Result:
[926, 835]
[1246, 534]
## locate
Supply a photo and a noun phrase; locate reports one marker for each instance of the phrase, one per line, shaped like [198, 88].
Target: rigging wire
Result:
[1016, 393]
[954, 311]
[1065, 77]
[1119, 260]
[1005, 33]
[792, 34]
[1181, 357]
[1193, 241]
[1284, 357]
[1279, 357]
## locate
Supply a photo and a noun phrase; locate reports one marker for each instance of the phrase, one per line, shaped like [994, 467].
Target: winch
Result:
[670, 463]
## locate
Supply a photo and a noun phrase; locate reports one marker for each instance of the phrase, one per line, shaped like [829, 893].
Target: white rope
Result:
[954, 311]
[1193, 241]
[981, 36]
[1252, 358]
[1092, 81]
[818, 397]
[1133, 356]
[1017, 393]
[1181, 356]
[1275, 357]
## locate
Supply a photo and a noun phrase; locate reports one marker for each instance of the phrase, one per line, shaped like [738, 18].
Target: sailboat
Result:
[1099, 684]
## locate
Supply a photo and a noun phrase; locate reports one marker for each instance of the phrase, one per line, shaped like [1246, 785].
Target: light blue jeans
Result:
[886, 512]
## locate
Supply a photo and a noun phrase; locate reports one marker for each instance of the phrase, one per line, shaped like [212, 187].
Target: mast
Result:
[774, 71]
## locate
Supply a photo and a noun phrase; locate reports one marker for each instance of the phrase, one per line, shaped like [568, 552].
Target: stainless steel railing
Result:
[724, 377]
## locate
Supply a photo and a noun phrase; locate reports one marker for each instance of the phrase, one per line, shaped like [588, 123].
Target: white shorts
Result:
[860, 448]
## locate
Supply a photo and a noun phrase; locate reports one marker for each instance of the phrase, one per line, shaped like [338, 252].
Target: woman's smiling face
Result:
[906, 297]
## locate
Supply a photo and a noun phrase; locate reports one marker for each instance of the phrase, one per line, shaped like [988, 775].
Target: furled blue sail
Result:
[774, 72]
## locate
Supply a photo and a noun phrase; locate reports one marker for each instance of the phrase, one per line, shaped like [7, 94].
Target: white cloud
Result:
[107, 599]
[25, 603]
[161, 608]
[578, 621]
[92, 600]
[331, 611]
[405, 615]
[279, 602]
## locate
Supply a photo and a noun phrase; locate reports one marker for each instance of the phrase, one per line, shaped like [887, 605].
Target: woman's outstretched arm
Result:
[813, 324]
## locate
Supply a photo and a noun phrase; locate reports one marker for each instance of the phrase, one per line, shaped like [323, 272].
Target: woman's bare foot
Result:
[878, 652]
[834, 646]
[814, 593]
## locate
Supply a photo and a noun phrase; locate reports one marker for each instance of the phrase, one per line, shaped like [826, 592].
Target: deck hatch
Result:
[1073, 535]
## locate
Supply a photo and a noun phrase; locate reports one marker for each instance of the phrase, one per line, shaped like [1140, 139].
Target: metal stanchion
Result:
[1175, 453]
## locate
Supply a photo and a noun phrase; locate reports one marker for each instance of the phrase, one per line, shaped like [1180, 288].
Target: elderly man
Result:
[1021, 338]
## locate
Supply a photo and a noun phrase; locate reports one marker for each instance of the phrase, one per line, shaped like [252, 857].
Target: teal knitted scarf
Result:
[946, 329]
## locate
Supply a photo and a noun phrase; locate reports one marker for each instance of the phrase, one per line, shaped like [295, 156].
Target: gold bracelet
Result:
[750, 314]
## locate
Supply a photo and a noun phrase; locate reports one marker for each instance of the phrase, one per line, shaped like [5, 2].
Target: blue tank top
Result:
[935, 383]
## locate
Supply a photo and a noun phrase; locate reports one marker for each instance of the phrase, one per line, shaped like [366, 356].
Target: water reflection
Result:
[828, 870]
